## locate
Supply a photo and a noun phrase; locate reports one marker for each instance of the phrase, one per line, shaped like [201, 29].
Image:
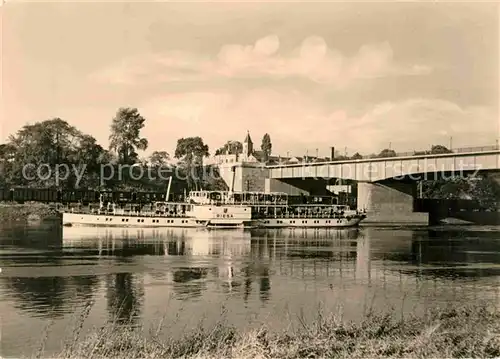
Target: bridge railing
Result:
[390, 154]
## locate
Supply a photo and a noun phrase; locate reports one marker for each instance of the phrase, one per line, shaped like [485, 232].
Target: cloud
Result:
[312, 60]
[298, 123]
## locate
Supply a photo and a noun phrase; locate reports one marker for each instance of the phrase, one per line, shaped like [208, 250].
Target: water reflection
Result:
[188, 282]
[51, 272]
[34, 249]
[454, 254]
[124, 295]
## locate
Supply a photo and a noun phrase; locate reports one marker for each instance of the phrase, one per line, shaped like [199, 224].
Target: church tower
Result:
[247, 146]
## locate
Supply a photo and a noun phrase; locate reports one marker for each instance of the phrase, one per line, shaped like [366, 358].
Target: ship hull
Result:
[107, 220]
[310, 222]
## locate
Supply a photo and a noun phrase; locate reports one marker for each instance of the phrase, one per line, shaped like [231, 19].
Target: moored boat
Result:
[279, 210]
[272, 210]
[209, 209]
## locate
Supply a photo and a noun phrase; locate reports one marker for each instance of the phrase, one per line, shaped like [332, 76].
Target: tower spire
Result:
[247, 145]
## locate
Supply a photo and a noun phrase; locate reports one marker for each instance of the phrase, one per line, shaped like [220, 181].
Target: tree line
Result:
[48, 144]
[54, 141]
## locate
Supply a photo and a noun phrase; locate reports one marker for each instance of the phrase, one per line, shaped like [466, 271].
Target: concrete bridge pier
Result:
[390, 201]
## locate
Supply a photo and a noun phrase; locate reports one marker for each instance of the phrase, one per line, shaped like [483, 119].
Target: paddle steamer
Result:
[209, 209]
[223, 209]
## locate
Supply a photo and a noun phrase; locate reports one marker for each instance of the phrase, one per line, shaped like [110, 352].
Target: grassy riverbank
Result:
[13, 212]
[460, 332]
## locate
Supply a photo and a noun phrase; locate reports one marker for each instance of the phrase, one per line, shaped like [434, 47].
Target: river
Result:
[181, 277]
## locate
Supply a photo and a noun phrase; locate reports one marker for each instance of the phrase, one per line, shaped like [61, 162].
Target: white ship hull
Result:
[200, 216]
[309, 222]
[107, 220]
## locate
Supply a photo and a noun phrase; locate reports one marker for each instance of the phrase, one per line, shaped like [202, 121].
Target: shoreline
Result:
[27, 212]
[472, 331]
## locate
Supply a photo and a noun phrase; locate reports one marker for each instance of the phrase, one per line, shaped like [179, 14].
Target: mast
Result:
[168, 188]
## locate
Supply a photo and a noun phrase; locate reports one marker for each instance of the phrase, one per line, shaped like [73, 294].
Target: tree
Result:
[230, 147]
[439, 149]
[482, 189]
[159, 158]
[486, 191]
[191, 151]
[125, 137]
[266, 146]
[356, 156]
[46, 144]
[387, 153]
[421, 153]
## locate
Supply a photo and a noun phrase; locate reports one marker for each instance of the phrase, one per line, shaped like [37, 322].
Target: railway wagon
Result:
[22, 195]
[5, 195]
[52, 195]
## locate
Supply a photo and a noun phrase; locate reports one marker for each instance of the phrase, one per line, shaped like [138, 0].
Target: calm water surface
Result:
[180, 277]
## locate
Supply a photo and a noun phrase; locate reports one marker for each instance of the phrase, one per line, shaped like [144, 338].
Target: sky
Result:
[361, 76]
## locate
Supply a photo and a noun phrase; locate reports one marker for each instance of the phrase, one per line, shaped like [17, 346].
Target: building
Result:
[248, 155]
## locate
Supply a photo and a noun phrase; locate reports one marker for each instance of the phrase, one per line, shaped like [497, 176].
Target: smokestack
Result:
[333, 153]
[231, 189]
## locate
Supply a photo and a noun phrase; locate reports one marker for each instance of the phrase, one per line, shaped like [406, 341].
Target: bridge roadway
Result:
[386, 187]
[377, 169]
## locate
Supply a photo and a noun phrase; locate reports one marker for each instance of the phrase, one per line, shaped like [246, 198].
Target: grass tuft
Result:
[472, 331]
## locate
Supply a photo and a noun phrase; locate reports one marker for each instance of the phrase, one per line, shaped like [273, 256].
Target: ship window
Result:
[138, 220]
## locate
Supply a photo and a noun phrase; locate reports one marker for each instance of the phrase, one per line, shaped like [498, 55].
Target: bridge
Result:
[386, 187]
